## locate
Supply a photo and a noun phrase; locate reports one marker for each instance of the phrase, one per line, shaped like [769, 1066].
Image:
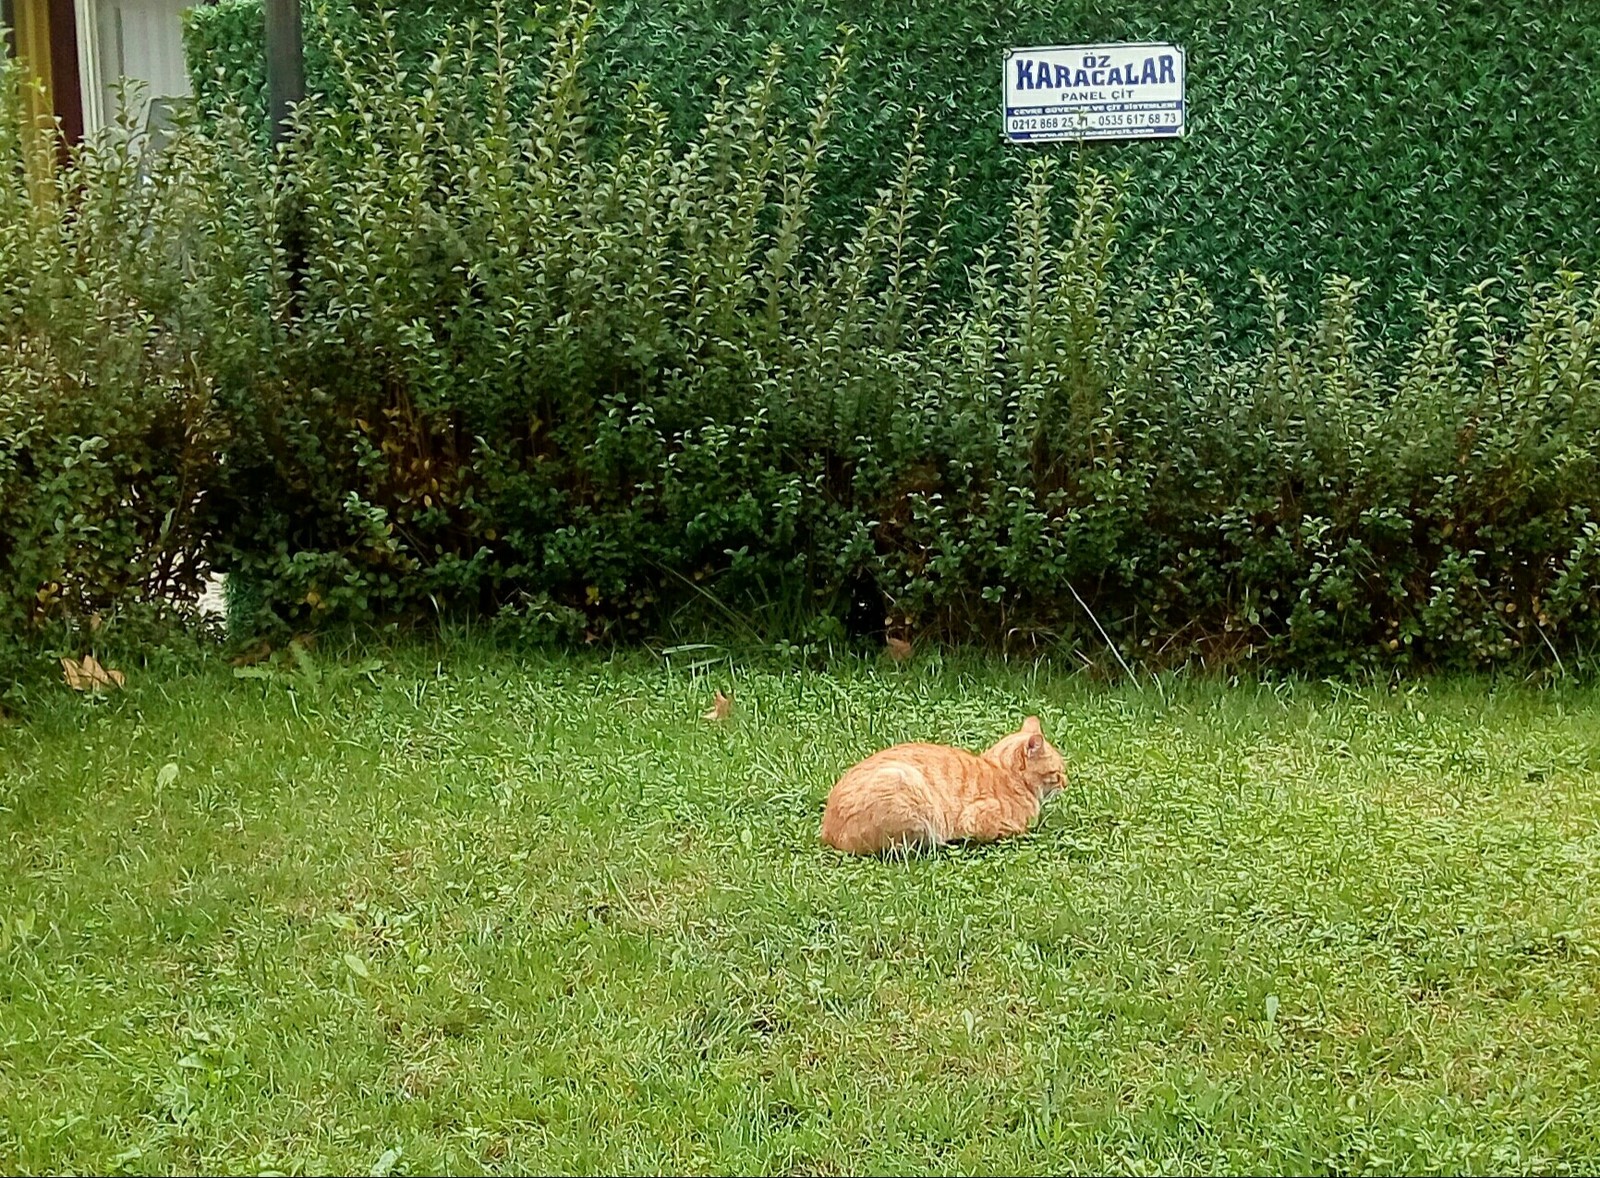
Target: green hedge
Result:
[223, 44]
[610, 383]
[602, 383]
[108, 435]
[1413, 144]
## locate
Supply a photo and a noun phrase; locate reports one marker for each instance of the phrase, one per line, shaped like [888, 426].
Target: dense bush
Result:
[108, 439]
[609, 384]
[1414, 144]
[609, 381]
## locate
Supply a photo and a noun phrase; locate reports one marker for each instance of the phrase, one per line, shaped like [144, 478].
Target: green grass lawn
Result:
[480, 911]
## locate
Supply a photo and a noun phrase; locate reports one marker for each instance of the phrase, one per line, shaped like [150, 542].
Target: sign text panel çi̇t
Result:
[1131, 91]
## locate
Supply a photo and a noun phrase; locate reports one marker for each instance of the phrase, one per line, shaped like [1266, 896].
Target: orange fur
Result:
[924, 795]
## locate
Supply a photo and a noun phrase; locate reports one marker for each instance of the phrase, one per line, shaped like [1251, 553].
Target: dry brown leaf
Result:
[897, 649]
[254, 655]
[88, 675]
[720, 710]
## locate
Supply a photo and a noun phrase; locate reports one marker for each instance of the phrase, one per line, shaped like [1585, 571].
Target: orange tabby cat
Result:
[923, 795]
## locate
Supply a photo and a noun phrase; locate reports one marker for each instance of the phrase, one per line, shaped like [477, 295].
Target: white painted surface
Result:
[139, 41]
[89, 84]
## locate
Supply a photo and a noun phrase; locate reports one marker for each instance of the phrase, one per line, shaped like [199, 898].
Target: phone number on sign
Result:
[1094, 121]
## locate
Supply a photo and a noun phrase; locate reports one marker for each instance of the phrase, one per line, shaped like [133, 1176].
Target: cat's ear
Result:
[1031, 725]
[1035, 745]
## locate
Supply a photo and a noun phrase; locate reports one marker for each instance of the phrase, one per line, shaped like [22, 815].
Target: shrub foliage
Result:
[109, 433]
[1422, 144]
[604, 383]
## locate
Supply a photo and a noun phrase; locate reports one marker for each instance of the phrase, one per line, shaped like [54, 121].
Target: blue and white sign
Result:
[1130, 91]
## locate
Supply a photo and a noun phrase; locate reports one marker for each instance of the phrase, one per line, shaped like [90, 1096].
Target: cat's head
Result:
[1029, 753]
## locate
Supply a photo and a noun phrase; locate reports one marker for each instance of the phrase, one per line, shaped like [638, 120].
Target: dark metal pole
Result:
[286, 65]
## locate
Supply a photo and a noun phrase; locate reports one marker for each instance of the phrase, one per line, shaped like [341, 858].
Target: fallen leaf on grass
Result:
[898, 649]
[720, 710]
[254, 655]
[88, 675]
